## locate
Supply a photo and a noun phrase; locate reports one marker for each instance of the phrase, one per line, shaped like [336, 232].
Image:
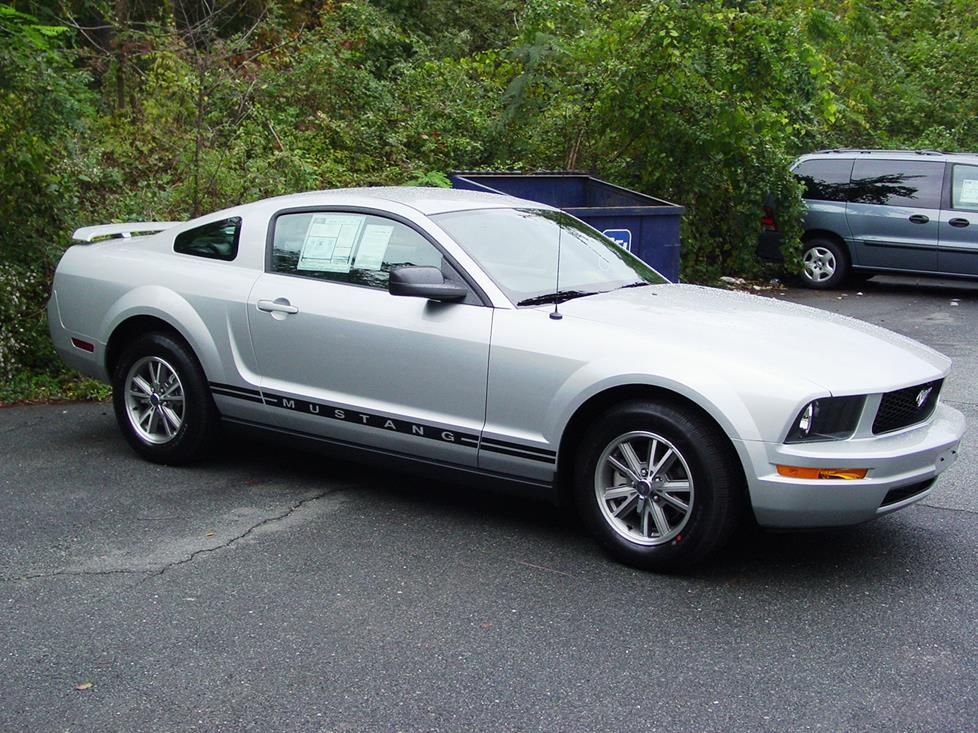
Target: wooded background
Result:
[115, 110]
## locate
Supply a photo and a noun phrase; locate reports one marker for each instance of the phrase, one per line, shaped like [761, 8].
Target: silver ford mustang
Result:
[500, 338]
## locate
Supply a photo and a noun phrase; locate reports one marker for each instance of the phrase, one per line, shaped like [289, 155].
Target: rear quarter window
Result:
[217, 240]
[825, 180]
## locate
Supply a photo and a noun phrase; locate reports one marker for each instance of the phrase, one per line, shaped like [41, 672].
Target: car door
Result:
[958, 253]
[893, 212]
[343, 359]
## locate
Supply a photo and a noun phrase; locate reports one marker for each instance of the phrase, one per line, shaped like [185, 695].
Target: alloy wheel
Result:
[644, 488]
[154, 400]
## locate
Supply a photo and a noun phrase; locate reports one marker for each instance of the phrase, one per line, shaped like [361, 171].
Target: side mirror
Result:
[424, 282]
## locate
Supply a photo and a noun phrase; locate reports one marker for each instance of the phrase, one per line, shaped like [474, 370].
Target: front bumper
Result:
[902, 466]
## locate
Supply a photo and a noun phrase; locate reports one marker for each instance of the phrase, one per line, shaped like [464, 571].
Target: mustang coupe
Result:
[495, 337]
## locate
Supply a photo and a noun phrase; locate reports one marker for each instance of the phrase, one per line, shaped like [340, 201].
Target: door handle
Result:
[919, 219]
[279, 305]
[958, 222]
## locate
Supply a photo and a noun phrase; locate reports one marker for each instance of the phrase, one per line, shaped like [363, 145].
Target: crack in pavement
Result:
[69, 573]
[223, 546]
[948, 508]
[152, 572]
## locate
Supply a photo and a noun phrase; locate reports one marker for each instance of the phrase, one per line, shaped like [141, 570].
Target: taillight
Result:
[767, 221]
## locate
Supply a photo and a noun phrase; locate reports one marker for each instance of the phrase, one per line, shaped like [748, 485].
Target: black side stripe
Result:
[411, 457]
[380, 422]
[519, 454]
[241, 393]
[501, 444]
[233, 388]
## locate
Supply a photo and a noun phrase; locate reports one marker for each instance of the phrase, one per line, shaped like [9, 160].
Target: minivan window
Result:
[825, 180]
[913, 183]
[964, 187]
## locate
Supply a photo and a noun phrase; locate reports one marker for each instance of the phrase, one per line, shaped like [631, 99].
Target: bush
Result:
[24, 342]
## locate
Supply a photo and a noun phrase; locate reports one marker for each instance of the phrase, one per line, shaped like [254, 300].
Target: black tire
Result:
[705, 461]
[826, 264]
[177, 431]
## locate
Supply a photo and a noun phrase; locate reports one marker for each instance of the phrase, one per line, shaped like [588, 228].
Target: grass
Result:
[28, 388]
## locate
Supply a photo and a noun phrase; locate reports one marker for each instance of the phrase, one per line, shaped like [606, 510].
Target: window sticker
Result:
[373, 247]
[329, 242]
[969, 191]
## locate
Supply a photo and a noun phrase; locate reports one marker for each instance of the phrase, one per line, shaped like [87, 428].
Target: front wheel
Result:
[161, 400]
[658, 486]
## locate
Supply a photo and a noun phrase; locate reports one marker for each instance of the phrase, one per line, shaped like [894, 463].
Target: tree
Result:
[43, 102]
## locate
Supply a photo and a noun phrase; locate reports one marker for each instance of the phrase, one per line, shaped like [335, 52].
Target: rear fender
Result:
[171, 308]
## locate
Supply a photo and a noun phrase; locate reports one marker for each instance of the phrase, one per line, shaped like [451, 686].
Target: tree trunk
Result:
[121, 26]
[198, 134]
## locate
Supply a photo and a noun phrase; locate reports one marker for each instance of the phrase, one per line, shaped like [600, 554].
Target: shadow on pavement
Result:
[965, 290]
[889, 547]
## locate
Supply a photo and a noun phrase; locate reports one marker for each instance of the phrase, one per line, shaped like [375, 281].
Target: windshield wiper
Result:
[559, 297]
[637, 284]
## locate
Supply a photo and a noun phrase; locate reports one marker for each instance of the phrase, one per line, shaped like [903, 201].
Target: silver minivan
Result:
[875, 211]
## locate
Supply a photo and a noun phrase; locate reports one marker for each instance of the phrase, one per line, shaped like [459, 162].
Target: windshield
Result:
[517, 248]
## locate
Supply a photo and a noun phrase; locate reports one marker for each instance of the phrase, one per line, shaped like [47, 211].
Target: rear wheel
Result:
[826, 264]
[658, 486]
[161, 400]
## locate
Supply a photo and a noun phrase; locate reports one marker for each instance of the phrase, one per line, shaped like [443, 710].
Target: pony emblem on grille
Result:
[922, 396]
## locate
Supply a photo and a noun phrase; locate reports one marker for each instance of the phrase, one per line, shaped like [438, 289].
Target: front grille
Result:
[906, 406]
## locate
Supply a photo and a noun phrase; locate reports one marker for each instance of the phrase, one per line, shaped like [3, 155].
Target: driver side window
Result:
[358, 249]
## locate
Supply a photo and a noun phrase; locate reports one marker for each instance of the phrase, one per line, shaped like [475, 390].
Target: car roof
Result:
[937, 155]
[426, 200]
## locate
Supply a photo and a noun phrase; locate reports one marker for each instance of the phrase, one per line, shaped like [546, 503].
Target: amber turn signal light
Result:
[826, 473]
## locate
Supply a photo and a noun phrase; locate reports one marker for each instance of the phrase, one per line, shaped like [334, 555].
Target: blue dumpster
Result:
[647, 227]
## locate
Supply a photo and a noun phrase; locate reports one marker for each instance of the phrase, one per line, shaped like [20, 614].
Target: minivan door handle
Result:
[958, 222]
[919, 219]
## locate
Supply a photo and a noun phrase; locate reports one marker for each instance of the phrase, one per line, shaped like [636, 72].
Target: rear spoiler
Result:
[117, 231]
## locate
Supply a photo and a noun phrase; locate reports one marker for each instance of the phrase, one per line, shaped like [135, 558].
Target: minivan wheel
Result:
[826, 264]
[161, 400]
[658, 486]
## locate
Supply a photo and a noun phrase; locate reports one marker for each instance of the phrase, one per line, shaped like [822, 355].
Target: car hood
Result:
[842, 354]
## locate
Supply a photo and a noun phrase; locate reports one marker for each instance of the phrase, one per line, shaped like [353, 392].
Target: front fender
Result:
[746, 404]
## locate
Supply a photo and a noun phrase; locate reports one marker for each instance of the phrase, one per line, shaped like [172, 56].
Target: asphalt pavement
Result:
[270, 590]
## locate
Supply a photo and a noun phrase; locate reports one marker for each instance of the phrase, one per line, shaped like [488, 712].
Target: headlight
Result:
[827, 418]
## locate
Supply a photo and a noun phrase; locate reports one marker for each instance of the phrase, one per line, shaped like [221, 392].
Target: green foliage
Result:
[703, 105]
[435, 179]
[180, 107]
[22, 338]
[44, 104]
[29, 386]
[43, 107]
